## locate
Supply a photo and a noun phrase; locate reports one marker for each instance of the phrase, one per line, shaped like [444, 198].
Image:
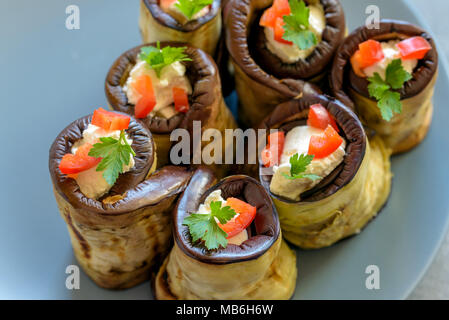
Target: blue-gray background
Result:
[51, 76]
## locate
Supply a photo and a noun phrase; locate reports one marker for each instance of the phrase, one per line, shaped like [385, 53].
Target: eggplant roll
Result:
[206, 101]
[262, 267]
[157, 25]
[262, 79]
[345, 200]
[408, 128]
[119, 238]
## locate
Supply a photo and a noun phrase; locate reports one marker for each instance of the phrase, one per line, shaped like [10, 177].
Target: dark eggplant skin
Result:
[342, 75]
[293, 113]
[265, 228]
[314, 65]
[142, 145]
[167, 20]
[201, 72]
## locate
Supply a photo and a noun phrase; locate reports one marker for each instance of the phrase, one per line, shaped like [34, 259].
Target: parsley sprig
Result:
[389, 101]
[299, 165]
[297, 26]
[191, 7]
[158, 58]
[204, 227]
[115, 154]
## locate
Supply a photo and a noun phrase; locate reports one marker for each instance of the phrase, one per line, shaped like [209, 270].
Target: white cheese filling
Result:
[205, 209]
[297, 141]
[172, 10]
[91, 182]
[391, 52]
[291, 53]
[172, 76]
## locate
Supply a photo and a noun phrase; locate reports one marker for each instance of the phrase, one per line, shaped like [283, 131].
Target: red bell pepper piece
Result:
[281, 7]
[246, 212]
[181, 100]
[80, 161]
[413, 48]
[110, 120]
[271, 154]
[324, 144]
[268, 18]
[279, 31]
[166, 4]
[320, 118]
[368, 54]
[147, 102]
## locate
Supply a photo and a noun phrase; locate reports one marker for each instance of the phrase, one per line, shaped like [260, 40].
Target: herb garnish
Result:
[389, 101]
[299, 165]
[297, 26]
[204, 227]
[191, 7]
[158, 58]
[115, 154]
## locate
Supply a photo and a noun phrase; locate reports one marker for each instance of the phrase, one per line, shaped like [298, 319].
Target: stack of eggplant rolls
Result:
[333, 107]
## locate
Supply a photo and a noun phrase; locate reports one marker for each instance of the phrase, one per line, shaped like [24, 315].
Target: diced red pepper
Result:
[268, 18]
[166, 4]
[271, 154]
[110, 120]
[357, 64]
[281, 7]
[371, 51]
[368, 54]
[414, 48]
[268, 159]
[246, 212]
[324, 144]
[80, 161]
[320, 118]
[279, 32]
[147, 102]
[181, 100]
[277, 137]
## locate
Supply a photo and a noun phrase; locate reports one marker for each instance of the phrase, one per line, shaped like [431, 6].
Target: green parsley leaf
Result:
[396, 75]
[377, 86]
[204, 227]
[191, 7]
[299, 165]
[158, 58]
[115, 154]
[389, 101]
[297, 25]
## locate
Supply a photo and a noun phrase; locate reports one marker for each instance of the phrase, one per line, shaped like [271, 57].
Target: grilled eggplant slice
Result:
[349, 197]
[119, 239]
[407, 129]
[206, 104]
[262, 267]
[157, 25]
[262, 79]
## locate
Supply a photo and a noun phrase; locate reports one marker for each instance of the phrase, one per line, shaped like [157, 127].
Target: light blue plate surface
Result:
[51, 76]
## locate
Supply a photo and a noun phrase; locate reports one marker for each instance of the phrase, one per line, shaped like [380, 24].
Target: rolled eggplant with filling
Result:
[116, 206]
[196, 22]
[273, 42]
[186, 88]
[228, 244]
[326, 179]
[388, 76]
